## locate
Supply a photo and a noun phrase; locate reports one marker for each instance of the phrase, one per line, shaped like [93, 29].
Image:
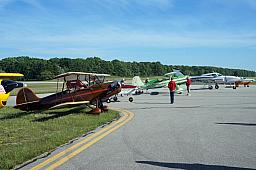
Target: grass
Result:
[25, 135]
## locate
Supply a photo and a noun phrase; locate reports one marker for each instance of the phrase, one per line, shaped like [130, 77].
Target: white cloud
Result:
[115, 37]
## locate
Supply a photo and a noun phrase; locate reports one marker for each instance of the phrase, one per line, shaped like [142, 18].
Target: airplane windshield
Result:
[177, 74]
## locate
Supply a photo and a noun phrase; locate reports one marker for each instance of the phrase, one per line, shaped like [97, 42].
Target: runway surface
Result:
[211, 129]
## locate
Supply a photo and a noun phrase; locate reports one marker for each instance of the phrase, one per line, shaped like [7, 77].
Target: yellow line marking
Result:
[79, 150]
[51, 159]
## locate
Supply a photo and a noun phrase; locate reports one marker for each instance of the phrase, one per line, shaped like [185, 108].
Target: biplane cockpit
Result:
[75, 84]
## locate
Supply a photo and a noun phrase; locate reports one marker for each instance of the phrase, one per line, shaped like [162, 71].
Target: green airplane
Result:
[177, 76]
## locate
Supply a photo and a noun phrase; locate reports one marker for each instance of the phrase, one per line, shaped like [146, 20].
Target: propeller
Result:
[9, 85]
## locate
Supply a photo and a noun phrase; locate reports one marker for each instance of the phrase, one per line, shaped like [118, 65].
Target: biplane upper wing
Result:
[5, 76]
[69, 104]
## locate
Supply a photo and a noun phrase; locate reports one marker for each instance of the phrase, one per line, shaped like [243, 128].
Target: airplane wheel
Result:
[95, 111]
[115, 99]
[210, 87]
[234, 87]
[104, 108]
[248, 86]
[108, 101]
[130, 99]
[217, 86]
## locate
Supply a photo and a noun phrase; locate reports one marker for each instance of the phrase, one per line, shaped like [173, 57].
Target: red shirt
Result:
[189, 82]
[172, 85]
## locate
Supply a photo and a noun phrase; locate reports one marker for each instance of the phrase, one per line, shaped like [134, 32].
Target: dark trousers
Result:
[172, 96]
[188, 89]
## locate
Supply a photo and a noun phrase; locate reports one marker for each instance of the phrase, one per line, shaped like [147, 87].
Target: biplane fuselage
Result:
[27, 100]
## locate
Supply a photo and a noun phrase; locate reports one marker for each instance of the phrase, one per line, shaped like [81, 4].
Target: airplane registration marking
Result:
[86, 143]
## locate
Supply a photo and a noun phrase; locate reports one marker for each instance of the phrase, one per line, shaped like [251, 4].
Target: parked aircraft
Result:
[7, 85]
[177, 76]
[246, 82]
[73, 92]
[217, 78]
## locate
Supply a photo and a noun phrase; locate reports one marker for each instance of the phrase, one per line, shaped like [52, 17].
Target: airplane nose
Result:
[9, 85]
[115, 85]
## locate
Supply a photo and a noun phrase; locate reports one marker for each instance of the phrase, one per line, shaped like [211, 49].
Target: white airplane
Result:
[217, 78]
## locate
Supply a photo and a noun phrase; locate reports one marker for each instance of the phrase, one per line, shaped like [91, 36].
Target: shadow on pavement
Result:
[240, 124]
[191, 166]
[170, 107]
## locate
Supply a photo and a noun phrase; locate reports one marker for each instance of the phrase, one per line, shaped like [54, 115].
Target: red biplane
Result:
[78, 88]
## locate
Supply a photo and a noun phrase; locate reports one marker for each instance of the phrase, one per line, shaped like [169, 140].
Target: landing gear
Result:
[99, 107]
[115, 99]
[138, 92]
[95, 111]
[210, 87]
[217, 86]
[234, 87]
[130, 99]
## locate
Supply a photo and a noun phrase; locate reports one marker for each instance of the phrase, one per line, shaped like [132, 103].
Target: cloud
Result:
[111, 37]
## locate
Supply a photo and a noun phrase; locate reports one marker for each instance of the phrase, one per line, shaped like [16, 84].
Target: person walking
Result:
[188, 83]
[172, 88]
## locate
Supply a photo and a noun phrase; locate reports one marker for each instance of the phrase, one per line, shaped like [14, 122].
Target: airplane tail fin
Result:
[136, 81]
[27, 100]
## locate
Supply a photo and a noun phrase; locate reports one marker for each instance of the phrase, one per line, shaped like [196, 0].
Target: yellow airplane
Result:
[7, 85]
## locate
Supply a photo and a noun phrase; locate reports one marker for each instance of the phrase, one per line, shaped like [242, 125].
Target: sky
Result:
[177, 32]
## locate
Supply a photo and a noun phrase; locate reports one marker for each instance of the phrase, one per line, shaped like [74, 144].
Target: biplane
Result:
[78, 88]
[7, 85]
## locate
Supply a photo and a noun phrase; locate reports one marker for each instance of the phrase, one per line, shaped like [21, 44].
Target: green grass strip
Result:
[25, 135]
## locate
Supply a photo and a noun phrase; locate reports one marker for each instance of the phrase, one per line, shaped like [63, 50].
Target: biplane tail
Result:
[27, 100]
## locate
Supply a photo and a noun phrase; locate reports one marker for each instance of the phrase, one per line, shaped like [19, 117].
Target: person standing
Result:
[188, 83]
[172, 88]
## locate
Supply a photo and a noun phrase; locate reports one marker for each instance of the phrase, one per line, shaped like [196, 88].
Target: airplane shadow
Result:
[239, 124]
[203, 88]
[56, 114]
[191, 166]
[151, 103]
[170, 107]
[16, 115]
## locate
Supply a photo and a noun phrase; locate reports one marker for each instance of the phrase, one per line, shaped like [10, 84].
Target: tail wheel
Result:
[130, 99]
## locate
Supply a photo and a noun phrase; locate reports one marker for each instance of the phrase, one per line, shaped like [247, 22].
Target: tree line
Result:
[45, 69]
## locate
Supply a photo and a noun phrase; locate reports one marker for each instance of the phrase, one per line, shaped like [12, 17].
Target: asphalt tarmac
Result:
[211, 129]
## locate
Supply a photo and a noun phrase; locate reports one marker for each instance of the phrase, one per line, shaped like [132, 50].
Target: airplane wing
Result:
[7, 76]
[204, 79]
[69, 104]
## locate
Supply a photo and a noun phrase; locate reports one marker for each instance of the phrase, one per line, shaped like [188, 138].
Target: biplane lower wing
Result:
[69, 104]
